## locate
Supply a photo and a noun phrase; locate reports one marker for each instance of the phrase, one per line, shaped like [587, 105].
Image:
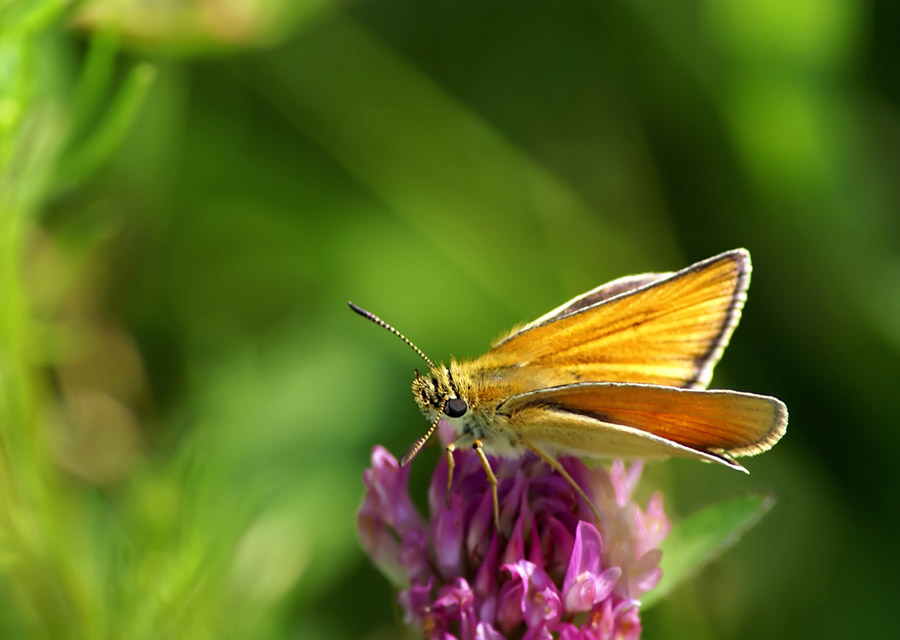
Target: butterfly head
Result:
[436, 394]
[437, 397]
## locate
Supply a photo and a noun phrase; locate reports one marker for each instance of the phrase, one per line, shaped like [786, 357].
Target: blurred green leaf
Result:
[702, 537]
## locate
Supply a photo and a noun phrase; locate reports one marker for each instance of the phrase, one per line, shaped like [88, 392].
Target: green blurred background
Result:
[191, 192]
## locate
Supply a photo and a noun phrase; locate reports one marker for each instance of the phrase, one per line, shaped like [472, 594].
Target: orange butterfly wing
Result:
[712, 422]
[652, 329]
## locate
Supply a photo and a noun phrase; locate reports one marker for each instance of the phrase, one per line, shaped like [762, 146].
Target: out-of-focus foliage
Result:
[190, 192]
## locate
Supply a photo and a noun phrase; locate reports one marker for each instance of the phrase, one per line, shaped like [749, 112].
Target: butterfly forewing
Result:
[669, 331]
[595, 296]
[731, 422]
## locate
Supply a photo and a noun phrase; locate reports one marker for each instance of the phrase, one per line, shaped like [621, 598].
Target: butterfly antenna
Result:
[418, 444]
[381, 323]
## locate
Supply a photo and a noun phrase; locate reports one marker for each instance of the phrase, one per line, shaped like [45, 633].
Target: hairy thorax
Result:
[484, 389]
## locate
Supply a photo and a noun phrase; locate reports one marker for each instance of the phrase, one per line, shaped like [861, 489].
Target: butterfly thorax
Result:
[470, 395]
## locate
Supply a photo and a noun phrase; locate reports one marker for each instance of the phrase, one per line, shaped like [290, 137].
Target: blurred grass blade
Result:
[702, 537]
[94, 80]
[93, 152]
[24, 19]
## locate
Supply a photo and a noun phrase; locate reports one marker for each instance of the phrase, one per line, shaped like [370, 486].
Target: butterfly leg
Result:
[553, 462]
[461, 442]
[479, 449]
[450, 464]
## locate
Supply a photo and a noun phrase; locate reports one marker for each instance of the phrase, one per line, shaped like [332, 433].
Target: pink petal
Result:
[568, 631]
[486, 576]
[515, 547]
[509, 605]
[381, 545]
[484, 631]
[625, 480]
[538, 633]
[543, 607]
[387, 491]
[584, 584]
[653, 525]
[481, 528]
[538, 598]
[415, 602]
[448, 536]
[644, 574]
[414, 556]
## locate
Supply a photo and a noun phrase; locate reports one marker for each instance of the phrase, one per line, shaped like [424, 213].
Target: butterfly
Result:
[618, 372]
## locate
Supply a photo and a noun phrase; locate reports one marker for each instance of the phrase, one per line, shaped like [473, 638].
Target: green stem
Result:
[94, 80]
[80, 163]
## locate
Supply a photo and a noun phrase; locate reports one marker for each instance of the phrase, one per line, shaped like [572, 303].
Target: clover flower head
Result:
[553, 571]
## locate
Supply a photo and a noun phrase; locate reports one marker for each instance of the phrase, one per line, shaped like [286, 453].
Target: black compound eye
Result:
[456, 407]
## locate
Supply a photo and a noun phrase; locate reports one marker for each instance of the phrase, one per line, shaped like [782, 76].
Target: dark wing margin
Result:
[707, 361]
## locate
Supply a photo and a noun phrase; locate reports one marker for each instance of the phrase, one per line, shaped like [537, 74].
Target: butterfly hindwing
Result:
[712, 422]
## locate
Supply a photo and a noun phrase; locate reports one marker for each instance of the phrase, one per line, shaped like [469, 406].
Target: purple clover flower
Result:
[555, 572]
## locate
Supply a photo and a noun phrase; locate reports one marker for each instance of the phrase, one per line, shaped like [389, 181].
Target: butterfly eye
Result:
[456, 407]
